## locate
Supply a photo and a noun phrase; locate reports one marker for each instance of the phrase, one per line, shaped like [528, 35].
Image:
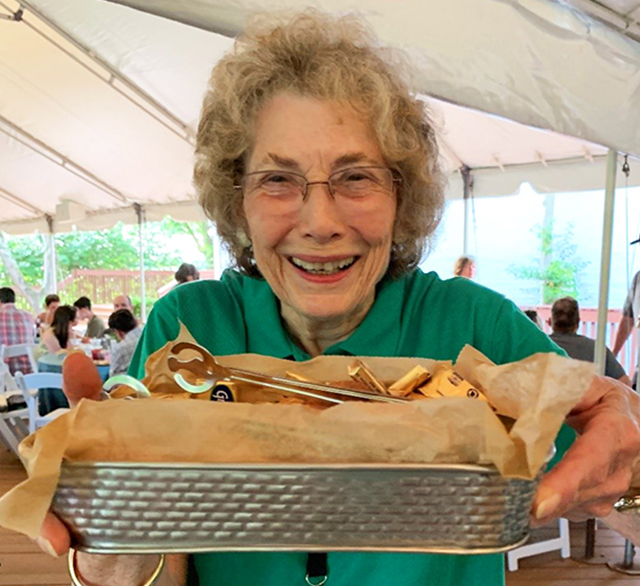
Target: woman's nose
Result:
[320, 216]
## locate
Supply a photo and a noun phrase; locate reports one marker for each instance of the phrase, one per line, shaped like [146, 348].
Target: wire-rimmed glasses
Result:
[354, 186]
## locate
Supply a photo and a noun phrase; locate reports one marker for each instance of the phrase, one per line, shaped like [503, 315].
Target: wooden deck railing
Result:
[588, 326]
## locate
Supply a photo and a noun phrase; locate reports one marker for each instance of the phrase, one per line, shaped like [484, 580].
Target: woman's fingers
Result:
[54, 537]
[598, 468]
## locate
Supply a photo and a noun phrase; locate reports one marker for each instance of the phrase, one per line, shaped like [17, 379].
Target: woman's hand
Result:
[123, 570]
[599, 467]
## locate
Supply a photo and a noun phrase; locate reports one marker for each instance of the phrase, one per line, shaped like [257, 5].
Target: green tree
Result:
[198, 231]
[559, 276]
[116, 248]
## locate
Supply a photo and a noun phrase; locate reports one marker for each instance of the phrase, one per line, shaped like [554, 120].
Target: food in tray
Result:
[361, 373]
[194, 373]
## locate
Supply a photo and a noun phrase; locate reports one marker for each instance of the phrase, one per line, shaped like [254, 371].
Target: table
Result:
[51, 399]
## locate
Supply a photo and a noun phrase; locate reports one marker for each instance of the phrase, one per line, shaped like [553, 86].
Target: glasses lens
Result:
[276, 184]
[361, 181]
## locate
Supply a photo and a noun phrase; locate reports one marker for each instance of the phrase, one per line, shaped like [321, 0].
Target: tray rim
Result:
[309, 548]
[285, 466]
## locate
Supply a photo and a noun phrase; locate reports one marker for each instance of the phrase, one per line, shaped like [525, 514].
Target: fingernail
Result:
[45, 545]
[547, 506]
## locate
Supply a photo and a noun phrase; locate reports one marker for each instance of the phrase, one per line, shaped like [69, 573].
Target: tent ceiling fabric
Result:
[116, 129]
[540, 62]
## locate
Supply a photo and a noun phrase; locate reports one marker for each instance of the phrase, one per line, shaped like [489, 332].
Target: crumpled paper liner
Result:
[537, 392]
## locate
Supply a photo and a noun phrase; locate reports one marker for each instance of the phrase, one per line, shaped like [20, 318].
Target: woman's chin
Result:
[326, 308]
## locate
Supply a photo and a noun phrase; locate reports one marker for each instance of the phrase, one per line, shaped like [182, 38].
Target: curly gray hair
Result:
[325, 57]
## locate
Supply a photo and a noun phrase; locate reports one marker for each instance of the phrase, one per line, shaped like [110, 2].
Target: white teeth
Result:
[323, 268]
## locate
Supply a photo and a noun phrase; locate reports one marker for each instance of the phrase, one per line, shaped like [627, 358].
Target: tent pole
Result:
[605, 260]
[603, 302]
[466, 194]
[217, 251]
[51, 277]
[143, 289]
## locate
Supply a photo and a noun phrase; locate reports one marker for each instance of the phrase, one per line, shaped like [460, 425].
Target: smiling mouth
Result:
[323, 268]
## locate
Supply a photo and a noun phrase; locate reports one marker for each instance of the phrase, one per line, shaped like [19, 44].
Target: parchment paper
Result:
[537, 392]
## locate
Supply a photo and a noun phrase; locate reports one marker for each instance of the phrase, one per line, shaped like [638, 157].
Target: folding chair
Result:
[19, 350]
[30, 384]
[561, 542]
[13, 424]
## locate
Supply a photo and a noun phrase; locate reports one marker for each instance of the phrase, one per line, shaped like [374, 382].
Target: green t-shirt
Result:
[417, 315]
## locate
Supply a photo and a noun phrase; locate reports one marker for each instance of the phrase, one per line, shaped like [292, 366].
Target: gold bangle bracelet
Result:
[75, 580]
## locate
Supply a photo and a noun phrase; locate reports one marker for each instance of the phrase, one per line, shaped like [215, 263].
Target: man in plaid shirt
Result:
[16, 327]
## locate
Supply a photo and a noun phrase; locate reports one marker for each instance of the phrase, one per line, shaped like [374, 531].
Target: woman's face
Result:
[323, 255]
[469, 271]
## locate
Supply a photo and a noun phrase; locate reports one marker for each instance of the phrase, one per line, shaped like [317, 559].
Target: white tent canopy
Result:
[99, 102]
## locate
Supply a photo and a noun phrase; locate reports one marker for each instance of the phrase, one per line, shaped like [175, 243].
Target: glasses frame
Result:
[396, 178]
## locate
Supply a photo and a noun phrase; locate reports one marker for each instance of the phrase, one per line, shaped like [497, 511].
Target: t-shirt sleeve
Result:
[613, 368]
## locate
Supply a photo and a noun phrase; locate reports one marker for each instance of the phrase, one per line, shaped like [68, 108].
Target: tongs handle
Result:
[308, 388]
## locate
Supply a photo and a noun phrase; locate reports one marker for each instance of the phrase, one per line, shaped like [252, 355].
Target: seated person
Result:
[122, 302]
[532, 314]
[128, 332]
[58, 336]
[16, 327]
[95, 326]
[186, 273]
[51, 303]
[564, 321]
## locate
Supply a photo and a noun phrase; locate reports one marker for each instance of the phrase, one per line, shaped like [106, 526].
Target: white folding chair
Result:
[562, 543]
[29, 384]
[16, 350]
[13, 424]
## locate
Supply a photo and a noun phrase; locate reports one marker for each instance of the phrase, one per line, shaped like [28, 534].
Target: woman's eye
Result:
[275, 179]
[356, 176]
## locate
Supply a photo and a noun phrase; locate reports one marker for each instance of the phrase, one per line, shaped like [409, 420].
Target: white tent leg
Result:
[467, 185]
[217, 250]
[605, 261]
[50, 271]
[143, 287]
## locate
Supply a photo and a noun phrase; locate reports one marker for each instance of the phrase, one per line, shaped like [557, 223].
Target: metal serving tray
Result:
[144, 508]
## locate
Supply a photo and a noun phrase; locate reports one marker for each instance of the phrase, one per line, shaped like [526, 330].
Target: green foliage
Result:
[116, 248]
[558, 277]
[28, 252]
[198, 231]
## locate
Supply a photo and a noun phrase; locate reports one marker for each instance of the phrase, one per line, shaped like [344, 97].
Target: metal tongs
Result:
[205, 368]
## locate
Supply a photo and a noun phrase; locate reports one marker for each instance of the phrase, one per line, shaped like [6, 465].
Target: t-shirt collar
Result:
[375, 336]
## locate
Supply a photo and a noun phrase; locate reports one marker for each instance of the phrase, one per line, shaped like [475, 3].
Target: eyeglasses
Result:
[355, 186]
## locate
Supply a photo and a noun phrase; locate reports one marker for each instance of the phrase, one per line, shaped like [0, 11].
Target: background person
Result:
[565, 321]
[532, 314]
[128, 332]
[122, 302]
[465, 267]
[629, 320]
[95, 326]
[59, 335]
[186, 273]
[51, 303]
[324, 184]
[16, 327]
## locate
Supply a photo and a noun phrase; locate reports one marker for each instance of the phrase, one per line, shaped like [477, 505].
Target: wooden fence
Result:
[101, 286]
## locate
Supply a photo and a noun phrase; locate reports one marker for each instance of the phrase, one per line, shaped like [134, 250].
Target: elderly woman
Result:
[320, 171]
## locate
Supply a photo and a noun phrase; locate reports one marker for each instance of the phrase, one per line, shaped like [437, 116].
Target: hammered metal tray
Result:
[144, 508]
